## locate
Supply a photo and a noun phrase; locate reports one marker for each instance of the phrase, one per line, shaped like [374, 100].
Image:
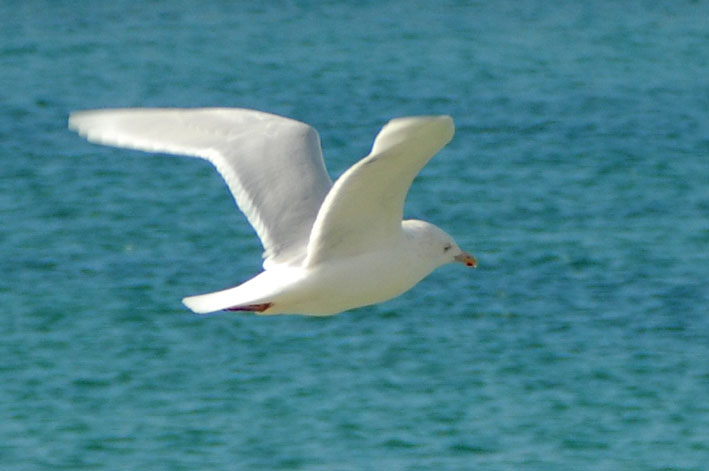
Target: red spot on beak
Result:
[466, 258]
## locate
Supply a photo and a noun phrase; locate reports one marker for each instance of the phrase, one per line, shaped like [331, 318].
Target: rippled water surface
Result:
[579, 176]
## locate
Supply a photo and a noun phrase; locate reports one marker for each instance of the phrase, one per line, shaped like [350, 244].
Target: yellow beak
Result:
[467, 259]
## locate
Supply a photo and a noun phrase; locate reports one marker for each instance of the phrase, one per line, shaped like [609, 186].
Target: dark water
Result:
[579, 176]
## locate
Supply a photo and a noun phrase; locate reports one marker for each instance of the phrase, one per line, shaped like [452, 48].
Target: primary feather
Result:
[272, 165]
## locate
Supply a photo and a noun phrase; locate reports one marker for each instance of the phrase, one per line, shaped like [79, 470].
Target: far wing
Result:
[365, 206]
[272, 165]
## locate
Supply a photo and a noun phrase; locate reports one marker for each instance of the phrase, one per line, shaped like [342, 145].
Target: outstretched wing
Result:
[365, 206]
[272, 165]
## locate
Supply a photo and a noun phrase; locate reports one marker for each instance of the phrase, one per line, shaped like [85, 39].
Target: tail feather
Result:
[228, 299]
[255, 295]
[211, 302]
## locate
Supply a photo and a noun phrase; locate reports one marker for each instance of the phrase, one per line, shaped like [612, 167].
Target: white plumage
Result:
[328, 248]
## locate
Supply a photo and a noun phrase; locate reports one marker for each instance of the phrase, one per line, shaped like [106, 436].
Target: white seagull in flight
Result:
[328, 247]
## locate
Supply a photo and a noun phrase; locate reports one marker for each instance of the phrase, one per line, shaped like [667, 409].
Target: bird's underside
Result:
[250, 307]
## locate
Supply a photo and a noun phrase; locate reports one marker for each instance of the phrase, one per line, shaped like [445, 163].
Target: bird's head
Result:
[436, 245]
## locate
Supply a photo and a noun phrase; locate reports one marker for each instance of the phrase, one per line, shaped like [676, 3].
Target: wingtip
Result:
[442, 123]
[436, 130]
[442, 118]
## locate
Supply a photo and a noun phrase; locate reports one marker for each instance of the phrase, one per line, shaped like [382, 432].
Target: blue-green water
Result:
[579, 176]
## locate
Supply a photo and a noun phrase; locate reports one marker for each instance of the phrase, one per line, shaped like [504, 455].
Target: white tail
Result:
[216, 301]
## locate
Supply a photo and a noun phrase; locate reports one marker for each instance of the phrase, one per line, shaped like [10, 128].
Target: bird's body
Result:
[328, 288]
[328, 248]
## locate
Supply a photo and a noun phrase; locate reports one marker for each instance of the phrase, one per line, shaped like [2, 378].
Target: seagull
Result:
[328, 247]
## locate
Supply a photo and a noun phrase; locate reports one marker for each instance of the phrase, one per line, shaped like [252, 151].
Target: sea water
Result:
[578, 176]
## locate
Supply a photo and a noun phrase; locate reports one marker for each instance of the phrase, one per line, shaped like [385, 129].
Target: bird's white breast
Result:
[343, 284]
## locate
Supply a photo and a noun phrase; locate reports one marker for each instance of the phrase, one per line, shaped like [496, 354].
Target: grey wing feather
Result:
[272, 165]
[364, 209]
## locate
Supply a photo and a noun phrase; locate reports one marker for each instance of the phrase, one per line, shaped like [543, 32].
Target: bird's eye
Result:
[447, 247]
